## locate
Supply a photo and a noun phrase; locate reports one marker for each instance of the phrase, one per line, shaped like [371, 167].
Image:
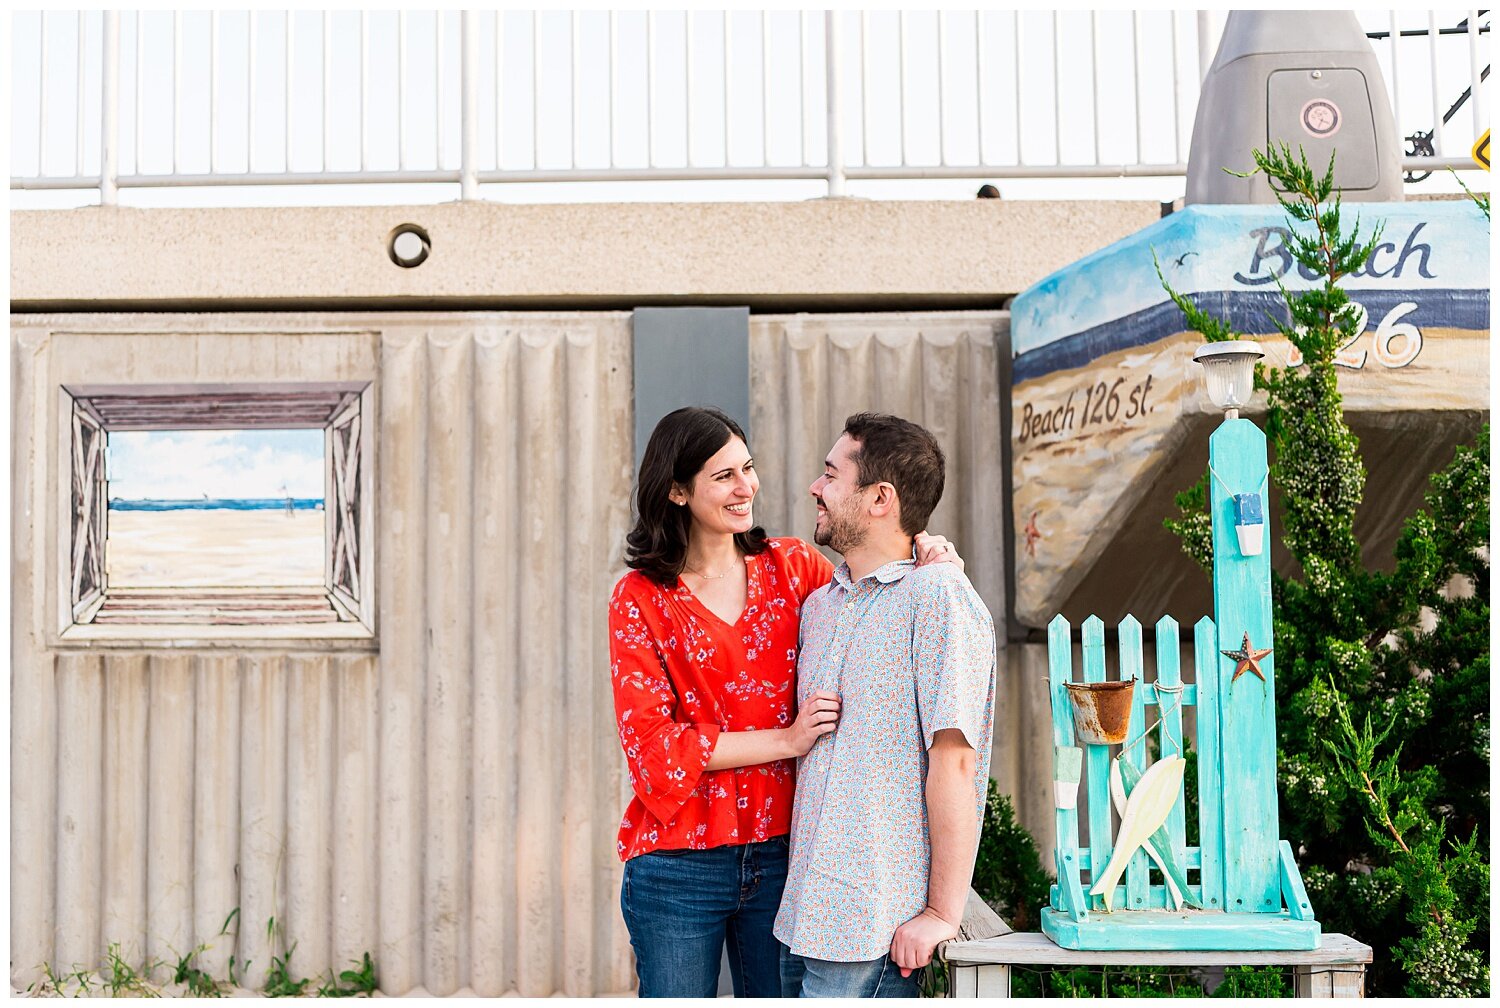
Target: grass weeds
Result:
[117, 976]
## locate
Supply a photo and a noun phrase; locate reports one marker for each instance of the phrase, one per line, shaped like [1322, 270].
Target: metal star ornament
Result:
[1247, 659]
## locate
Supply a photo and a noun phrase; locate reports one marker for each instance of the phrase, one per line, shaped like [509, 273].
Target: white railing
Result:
[110, 100]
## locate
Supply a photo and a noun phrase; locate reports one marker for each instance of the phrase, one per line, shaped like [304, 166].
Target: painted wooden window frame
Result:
[349, 516]
[344, 502]
[88, 511]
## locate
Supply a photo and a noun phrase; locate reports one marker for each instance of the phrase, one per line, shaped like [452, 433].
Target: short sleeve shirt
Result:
[681, 675]
[910, 651]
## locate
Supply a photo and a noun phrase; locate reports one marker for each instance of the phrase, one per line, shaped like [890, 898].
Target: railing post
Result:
[1205, 44]
[469, 170]
[1476, 93]
[1437, 101]
[835, 136]
[109, 142]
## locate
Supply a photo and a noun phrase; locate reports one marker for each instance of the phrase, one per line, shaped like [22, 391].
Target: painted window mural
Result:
[227, 506]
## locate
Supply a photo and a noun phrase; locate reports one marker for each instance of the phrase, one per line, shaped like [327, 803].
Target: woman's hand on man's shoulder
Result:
[935, 549]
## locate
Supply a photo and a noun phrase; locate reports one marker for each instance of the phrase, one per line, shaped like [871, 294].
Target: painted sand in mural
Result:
[1103, 374]
[209, 548]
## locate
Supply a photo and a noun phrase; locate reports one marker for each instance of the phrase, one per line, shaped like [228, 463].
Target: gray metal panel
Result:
[1323, 110]
[689, 357]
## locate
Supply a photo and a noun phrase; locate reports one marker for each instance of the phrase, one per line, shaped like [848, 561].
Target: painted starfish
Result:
[1247, 660]
[1033, 534]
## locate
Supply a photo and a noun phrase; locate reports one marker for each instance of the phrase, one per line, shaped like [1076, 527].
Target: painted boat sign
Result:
[1103, 379]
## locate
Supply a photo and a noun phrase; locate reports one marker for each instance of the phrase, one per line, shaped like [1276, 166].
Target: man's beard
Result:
[839, 532]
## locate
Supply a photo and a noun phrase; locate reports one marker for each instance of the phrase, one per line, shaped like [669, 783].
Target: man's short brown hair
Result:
[899, 452]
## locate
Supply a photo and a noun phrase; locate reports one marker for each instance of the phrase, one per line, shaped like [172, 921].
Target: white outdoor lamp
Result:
[1229, 374]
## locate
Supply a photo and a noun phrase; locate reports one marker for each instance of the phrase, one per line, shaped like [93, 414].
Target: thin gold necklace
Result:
[709, 577]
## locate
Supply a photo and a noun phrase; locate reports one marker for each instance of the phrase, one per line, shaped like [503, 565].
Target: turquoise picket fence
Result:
[1246, 881]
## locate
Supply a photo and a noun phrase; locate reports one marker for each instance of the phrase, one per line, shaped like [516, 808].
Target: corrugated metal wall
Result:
[450, 802]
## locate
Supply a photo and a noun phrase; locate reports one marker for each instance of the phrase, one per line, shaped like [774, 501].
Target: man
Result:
[888, 807]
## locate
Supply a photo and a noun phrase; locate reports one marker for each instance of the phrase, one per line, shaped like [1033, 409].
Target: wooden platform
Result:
[1336, 968]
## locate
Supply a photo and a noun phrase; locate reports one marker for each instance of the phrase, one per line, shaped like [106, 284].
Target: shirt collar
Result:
[893, 571]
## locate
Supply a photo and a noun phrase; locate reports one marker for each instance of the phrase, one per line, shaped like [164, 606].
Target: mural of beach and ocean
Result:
[215, 509]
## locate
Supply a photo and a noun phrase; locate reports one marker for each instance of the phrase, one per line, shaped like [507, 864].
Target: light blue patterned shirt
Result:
[909, 651]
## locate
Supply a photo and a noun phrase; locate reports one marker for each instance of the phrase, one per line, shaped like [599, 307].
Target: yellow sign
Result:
[1481, 151]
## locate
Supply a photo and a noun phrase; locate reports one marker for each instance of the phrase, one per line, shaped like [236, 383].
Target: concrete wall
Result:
[845, 255]
[447, 795]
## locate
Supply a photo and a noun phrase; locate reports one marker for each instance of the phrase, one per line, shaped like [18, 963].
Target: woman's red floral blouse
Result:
[681, 676]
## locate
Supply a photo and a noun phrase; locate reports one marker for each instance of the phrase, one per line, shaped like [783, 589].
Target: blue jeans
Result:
[682, 906]
[878, 978]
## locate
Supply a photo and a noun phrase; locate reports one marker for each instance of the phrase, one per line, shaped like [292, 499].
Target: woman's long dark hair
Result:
[682, 442]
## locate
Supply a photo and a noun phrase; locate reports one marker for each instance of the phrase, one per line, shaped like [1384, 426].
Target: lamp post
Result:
[1244, 688]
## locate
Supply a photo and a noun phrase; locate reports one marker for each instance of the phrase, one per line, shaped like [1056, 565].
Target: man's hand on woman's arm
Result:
[954, 831]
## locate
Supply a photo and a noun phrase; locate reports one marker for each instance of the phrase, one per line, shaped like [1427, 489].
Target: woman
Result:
[703, 659]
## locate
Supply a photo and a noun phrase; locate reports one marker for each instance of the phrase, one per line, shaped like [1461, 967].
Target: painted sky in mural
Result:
[218, 464]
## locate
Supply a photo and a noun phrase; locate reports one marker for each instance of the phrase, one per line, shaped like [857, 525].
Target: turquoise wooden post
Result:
[1247, 703]
[1168, 680]
[1096, 765]
[1066, 770]
[1137, 881]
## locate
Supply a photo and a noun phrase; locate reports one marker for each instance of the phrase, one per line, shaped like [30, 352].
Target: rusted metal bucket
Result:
[1101, 710]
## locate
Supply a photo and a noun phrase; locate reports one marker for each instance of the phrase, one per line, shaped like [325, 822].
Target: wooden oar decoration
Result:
[1124, 778]
[1145, 811]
